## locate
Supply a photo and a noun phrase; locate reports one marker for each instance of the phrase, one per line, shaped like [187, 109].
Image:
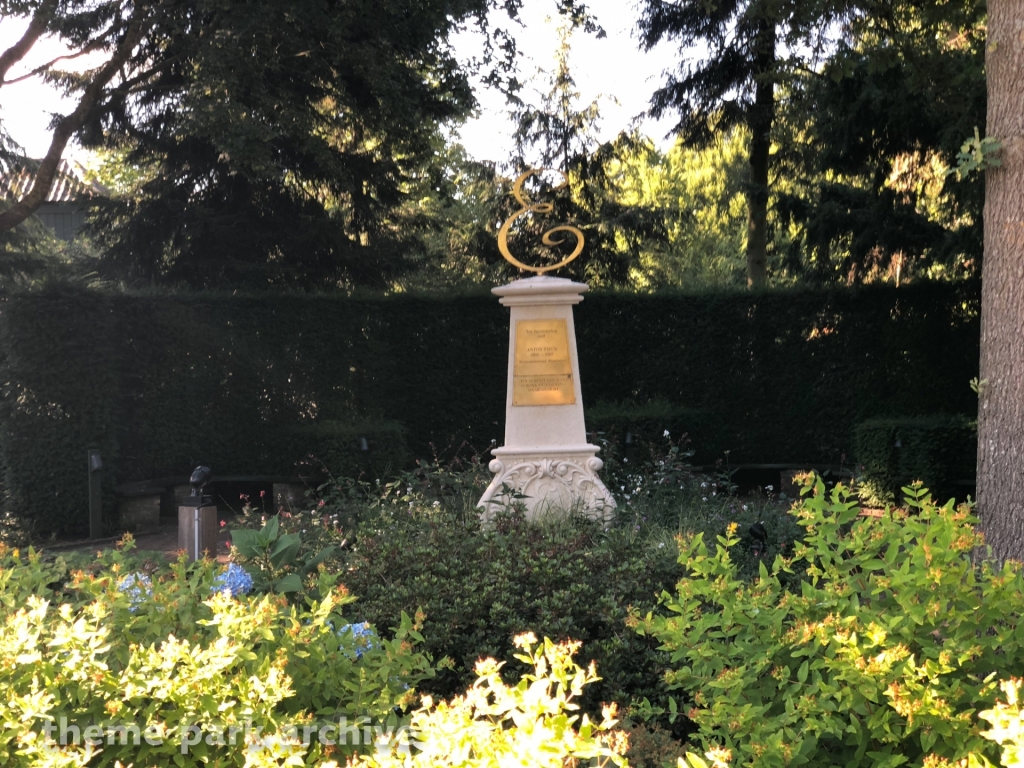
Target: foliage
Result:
[417, 544]
[749, 47]
[638, 429]
[699, 193]
[274, 143]
[557, 133]
[870, 137]
[1007, 724]
[478, 587]
[277, 558]
[173, 656]
[977, 154]
[529, 724]
[892, 453]
[162, 382]
[345, 448]
[881, 658]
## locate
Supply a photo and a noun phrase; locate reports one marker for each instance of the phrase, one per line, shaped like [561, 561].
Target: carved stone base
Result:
[552, 481]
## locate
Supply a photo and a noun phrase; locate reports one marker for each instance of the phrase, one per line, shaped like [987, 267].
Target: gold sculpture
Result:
[528, 207]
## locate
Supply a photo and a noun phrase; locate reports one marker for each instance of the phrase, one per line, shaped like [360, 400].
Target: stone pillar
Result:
[546, 456]
[197, 531]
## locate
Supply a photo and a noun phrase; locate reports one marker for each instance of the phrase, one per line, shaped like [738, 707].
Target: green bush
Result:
[893, 453]
[417, 543]
[108, 646]
[883, 657]
[479, 587]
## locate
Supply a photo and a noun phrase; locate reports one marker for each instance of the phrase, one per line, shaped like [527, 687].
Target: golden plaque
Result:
[542, 370]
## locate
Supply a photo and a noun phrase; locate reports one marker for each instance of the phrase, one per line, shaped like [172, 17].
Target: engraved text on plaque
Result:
[542, 374]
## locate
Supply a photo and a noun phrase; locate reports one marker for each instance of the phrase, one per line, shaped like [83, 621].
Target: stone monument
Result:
[546, 457]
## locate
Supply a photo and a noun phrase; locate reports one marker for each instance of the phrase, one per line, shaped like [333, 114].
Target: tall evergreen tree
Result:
[280, 135]
[736, 54]
[870, 135]
[560, 133]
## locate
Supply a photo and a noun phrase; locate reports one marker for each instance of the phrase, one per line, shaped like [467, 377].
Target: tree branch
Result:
[69, 124]
[36, 27]
[98, 43]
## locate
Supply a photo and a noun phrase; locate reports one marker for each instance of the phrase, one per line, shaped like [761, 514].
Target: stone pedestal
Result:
[197, 531]
[546, 456]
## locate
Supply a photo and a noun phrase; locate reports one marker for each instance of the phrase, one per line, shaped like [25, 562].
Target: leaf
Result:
[246, 541]
[322, 555]
[285, 550]
[290, 583]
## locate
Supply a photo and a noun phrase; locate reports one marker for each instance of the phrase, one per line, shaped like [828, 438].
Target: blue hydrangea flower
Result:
[138, 587]
[362, 634]
[233, 581]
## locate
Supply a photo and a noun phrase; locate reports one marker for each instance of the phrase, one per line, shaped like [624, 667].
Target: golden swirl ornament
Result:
[547, 239]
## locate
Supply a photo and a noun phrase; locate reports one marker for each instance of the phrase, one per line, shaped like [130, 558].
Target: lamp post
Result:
[95, 465]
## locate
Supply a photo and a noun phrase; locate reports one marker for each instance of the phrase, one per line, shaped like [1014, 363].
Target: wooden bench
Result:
[137, 500]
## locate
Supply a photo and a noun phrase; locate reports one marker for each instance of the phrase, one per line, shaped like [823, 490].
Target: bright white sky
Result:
[610, 67]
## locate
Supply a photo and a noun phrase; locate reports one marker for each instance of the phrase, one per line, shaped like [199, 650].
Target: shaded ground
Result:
[164, 541]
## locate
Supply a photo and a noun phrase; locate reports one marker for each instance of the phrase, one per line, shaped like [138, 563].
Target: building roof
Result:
[69, 183]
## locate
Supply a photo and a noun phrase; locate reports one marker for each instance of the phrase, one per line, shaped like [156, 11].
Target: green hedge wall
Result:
[941, 451]
[163, 382]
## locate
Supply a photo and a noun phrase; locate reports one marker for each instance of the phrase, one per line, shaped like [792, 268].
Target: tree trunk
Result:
[1001, 400]
[762, 115]
[68, 124]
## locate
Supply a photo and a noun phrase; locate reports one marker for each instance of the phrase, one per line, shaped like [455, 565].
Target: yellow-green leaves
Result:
[881, 658]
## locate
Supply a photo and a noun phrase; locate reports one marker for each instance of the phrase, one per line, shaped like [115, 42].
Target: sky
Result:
[612, 68]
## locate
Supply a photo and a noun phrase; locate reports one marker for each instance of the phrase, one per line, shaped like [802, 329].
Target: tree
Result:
[869, 137]
[751, 47]
[699, 195]
[557, 132]
[108, 26]
[1001, 395]
[279, 137]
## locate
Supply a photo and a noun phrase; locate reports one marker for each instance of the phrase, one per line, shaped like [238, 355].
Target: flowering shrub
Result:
[278, 560]
[892, 643]
[234, 580]
[137, 587]
[529, 724]
[1007, 724]
[181, 677]
[361, 634]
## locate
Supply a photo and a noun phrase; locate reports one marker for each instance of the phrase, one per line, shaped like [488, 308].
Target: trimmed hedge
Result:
[347, 450]
[939, 450]
[163, 382]
[639, 430]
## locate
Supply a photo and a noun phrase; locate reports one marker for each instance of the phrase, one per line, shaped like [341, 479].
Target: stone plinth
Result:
[546, 456]
[197, 531]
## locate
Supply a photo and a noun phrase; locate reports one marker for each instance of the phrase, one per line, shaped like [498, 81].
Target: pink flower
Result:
[223, 523]
[322, 502]
[262, 494]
